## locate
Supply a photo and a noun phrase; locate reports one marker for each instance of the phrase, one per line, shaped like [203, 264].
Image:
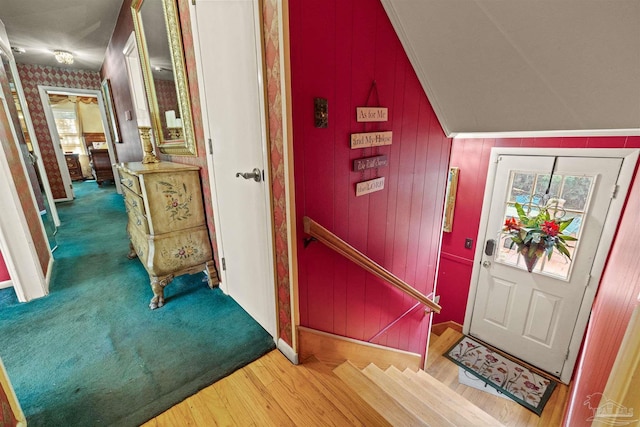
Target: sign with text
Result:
[372, 114]
[369, 163]
[370, 139]
[371, 186]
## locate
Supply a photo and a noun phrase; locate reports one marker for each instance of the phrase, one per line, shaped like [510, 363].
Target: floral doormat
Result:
[528, 388]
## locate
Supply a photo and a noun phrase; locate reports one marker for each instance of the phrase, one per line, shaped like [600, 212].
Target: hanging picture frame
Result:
[450, 199]
[114, 128]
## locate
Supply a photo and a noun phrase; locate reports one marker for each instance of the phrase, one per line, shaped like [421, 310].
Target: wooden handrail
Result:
[326, 237]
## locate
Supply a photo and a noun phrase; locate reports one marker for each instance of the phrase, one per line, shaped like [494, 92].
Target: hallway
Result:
[92, 351]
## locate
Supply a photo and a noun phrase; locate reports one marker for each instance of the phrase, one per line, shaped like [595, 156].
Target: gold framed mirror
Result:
[159, 37]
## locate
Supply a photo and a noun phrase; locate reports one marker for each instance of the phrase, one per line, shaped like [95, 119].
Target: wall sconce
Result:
[321, 109]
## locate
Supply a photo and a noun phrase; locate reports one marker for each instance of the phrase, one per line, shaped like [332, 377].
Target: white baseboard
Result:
[47, 277]
[287, 351]
[6, 284]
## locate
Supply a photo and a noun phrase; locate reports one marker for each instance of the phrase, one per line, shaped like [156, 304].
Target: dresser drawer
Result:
[130, 181]
[140, 244]
[174, 201]
[135, 209]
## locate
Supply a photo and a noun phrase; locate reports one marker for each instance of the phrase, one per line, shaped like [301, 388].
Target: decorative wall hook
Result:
[308, 240]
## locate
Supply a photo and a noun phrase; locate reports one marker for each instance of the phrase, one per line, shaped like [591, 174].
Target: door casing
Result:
[630, 158]
[62, 165]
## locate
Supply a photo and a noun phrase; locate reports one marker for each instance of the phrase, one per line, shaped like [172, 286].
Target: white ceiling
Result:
[41, 26]
[486, 65]
[524, 65]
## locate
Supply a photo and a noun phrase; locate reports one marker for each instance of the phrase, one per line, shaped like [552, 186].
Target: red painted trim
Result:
[458, 259]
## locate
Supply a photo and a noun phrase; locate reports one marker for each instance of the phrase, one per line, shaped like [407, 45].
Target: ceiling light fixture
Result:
[63, 57]
[18, 50]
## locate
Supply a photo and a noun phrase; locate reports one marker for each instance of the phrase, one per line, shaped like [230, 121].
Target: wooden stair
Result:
[412, 398]
[273, 392]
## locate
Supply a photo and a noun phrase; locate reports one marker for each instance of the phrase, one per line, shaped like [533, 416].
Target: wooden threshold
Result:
[439, 328]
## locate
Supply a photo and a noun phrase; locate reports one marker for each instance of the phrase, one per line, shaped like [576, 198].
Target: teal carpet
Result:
[92, 353]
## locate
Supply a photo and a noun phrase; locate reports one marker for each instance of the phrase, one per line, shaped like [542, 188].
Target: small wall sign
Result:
[372, 114]
[370, 139]
[360, 165]
[371, 186]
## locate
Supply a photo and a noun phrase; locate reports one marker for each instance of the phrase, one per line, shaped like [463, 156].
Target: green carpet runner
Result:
[92, 353]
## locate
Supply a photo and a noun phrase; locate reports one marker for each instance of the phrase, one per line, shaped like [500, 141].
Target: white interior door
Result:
[533, 316]
[231, 62]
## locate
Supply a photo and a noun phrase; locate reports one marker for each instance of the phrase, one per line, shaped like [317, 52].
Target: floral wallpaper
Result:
[33, 76]
[273, 59]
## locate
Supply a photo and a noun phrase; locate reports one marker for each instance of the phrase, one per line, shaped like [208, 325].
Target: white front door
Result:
[228, 34]
[533, 316]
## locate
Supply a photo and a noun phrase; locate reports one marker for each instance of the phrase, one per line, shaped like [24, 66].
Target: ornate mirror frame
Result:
[177, 140]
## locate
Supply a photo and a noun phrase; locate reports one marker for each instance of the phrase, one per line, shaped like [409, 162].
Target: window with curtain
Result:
[75, 115]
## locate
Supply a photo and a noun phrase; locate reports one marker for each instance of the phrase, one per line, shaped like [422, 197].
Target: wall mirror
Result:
[159, 37]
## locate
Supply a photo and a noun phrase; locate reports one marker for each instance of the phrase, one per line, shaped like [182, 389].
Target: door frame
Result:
[55, 138]
[16, 241]
[34, 142]
[266, 167]
[630, 158]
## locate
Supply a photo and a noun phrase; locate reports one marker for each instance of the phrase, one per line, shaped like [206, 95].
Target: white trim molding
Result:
[288, 352]
[546, 133]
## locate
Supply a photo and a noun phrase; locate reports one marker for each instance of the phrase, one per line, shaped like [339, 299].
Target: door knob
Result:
[486, 264]
[255, 174]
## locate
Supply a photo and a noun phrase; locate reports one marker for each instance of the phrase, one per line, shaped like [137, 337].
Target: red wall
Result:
[619, 286]
[4, 272]
[338, 48]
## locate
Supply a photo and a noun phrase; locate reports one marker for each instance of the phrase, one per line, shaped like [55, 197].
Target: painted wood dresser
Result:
[167, 226]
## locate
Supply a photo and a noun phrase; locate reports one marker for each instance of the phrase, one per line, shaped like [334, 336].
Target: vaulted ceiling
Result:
[487, 66]
[526, 66]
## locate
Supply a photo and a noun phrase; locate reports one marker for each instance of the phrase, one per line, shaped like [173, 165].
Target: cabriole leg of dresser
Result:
[157, 285]
[212, 274]
[132, 251]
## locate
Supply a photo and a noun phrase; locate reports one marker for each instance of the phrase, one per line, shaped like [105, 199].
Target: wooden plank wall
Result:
[338, 49]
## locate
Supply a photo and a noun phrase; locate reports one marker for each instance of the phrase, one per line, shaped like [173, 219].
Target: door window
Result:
[568, 197]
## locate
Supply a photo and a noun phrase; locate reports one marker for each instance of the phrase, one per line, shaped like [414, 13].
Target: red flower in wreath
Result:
[512, 224]
[551, 228]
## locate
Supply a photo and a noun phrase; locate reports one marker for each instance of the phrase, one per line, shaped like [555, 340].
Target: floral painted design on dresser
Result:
[178, 200]
[180, 251]
[186, 251]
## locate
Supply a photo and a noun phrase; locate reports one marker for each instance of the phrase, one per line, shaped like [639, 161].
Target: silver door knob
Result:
[486, 264]
[255, 174]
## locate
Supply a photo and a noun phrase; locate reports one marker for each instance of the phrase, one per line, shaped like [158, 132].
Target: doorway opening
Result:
[540, 316]
[78, 126]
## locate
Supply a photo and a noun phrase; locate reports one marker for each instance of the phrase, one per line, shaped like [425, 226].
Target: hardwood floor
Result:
[273, 392]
